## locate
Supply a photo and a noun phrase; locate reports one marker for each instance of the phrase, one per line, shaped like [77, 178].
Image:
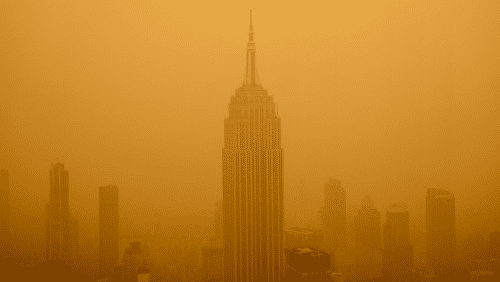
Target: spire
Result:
[251, 77]
[250, 35]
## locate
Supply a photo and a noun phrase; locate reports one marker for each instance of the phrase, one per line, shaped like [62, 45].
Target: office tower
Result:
[335, 222]
[368, 237]
[252, 182]
[135, 264]
[58, 217]
[441, 238]
[307, 264]
[218, 220]
[4, 216]
[108, 229]
[398, 253]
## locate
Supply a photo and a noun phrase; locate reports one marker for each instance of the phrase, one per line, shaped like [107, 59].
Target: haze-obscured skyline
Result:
[389, 97]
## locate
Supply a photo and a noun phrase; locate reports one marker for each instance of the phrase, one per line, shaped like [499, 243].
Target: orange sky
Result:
[391, 97]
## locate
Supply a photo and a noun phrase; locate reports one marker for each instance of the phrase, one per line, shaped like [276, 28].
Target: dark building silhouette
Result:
[58, 217]
[4, 217]
[52, 270]
[307, 264]
[252, 182]
[368, 238]
[135, 263]
[335, 222]
[398, 253]
[108, 229]
[212, 263]
[476, 253]
[441, 236]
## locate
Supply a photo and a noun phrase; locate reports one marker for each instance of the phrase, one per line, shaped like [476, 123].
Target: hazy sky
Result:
[391, 97]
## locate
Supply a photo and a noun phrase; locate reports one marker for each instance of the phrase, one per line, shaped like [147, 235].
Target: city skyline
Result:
[393, 104]
[253, 188]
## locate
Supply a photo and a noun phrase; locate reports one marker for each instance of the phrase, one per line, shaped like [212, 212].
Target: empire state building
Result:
[252, 168]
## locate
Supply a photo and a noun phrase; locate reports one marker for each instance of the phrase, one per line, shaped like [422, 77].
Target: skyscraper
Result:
[218, 220]
[108, 229]
[398, 253]
[4, 216]
[368, 236]
[252, 182]
[335, 222]
[58, 217]
[441, 238]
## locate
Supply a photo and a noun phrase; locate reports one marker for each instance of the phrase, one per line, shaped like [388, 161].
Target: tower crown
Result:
[251, 76]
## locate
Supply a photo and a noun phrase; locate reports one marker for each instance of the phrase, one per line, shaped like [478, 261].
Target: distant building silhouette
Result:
[4, 217]
[58, 216]
[108, 229]
[212, 263]
[335, 222]
[398, 253]
[441, 236]
[307, 264]
[368, 238]
[135, 263]
[476, 252]
[252, 182]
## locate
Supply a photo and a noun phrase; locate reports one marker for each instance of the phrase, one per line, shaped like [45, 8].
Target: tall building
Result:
[218, 220]
[58, 217]
[335, 222]
[441, 236]
[4, 216]
[368, 237]
[108, 229]
[252, 182]
[398, 253]
[135, 264]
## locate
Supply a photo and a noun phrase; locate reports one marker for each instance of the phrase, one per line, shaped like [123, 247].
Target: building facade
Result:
[58, 235]
[398, 253]
[108, 229]
[368, 238]
[252, 182]
[335, 222]
[441, 233]
[307, 264]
